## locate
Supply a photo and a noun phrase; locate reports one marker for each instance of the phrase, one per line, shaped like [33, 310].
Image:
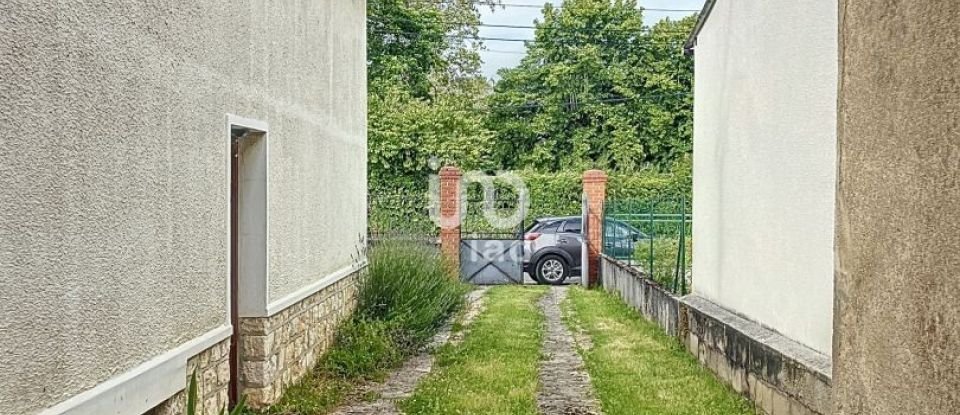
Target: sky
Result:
[508, 54]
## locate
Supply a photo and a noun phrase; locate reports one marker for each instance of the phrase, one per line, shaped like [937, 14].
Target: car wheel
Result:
[552, 269]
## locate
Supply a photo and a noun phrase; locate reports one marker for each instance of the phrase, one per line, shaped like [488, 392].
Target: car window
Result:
[533, 226]
[573, 226]
[616, 230]
[549, 228]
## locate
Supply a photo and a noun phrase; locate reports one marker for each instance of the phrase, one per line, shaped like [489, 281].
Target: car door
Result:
[570, 239]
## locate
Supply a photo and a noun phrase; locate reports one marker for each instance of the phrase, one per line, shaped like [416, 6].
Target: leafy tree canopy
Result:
[597, 89]
[426, 94]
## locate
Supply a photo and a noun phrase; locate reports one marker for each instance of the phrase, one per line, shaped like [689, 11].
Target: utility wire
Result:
[384, 31]
[645, 29]
[669, 44]
[612, 29]
[507, 39]
[577, 103]
[540, 6]
[508, 52]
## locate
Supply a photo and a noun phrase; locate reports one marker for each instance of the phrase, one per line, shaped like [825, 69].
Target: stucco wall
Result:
[114, 185]
[898, 218]
[765, 164]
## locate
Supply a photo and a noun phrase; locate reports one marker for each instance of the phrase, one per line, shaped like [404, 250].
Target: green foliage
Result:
[551, 194]
[364, 349]
[406, 133]
[407, 293]
[660, 218]
[494, 370]
[404, 43]
[423, 46]
[598, 89]
[559, 193]
[425, 91]
[665, 252]
[410, 288]
[636, 368]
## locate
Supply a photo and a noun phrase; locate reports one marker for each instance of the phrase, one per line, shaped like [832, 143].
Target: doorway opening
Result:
[248, 234]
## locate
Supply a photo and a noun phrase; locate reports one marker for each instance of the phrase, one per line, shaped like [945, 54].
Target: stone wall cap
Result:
[594, 175]
[639, 275]
[807, 357]
[447, 171]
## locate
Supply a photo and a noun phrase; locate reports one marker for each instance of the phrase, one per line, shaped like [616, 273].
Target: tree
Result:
[597, 89]
[425, 91]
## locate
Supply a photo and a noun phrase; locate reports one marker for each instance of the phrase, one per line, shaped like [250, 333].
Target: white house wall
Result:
[114, 180]
[765, 164]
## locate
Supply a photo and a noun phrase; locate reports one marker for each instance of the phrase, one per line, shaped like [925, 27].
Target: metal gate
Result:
[491, 261]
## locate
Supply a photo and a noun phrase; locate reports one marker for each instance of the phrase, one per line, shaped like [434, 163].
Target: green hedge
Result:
[559, 193]
[551, 194]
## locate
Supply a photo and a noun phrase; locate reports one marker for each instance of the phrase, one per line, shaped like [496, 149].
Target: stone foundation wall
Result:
[212, 367]
[278, 350]
[781, 376]
[648, 298]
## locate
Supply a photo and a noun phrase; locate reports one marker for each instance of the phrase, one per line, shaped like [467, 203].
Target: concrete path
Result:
[401, 383]
[565, 387]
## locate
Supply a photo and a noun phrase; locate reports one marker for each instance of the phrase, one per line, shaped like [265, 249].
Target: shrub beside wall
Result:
[404, 298]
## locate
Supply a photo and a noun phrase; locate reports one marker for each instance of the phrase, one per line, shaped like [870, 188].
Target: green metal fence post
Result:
[653, 232]
[682, 254]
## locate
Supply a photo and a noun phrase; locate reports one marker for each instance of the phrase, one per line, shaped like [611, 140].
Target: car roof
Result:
[556, 218]
[551, 219]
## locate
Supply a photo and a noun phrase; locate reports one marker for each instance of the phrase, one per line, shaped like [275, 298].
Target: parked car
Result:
[552, 246]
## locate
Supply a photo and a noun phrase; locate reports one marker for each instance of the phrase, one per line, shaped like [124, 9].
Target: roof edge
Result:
[691, 42]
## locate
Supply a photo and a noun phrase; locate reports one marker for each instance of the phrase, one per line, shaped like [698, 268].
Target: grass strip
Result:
[637, 369]
[494, 370]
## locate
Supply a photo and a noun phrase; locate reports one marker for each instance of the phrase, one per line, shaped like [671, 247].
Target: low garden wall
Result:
[778, 374]
[646, 296]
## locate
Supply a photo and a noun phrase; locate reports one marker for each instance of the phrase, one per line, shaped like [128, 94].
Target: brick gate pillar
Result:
[450, 215]
[595, 187]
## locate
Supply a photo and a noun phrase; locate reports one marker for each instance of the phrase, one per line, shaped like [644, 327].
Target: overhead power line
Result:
[387, 30]
[508, 52]
[651, 9]
[578, 103]
[501, 39]
[611, 29]
[542, 5]
[678, 42]
[644, 29]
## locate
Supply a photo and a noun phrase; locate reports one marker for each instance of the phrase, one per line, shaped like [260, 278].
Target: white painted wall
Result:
[114, 182]
[765, 163]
